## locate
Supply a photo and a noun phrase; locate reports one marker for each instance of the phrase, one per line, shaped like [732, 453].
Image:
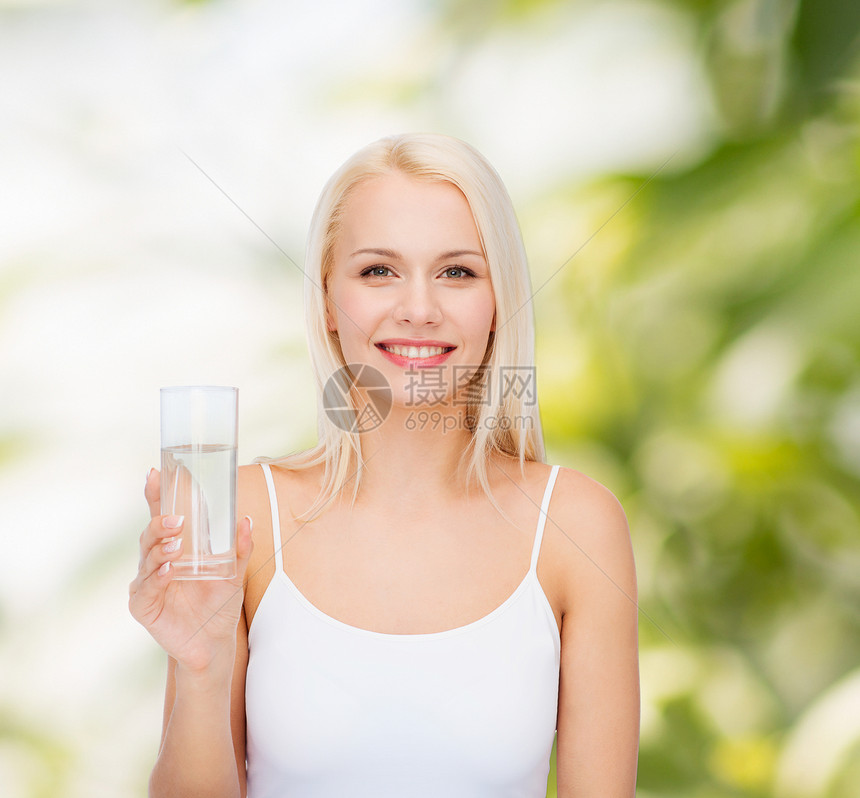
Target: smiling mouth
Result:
[416, 352]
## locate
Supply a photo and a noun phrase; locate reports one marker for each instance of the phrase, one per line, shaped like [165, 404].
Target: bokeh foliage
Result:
[714, 382]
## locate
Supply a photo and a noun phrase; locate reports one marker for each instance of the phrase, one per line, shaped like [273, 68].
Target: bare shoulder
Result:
[292, 489]
[253, 500]
[587, 543]
[589, 507]
[251, 488]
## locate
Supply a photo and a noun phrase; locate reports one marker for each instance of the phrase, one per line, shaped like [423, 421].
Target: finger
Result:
[160, 527]
[244, 545]
[163, 546]
[152, 492]
[149, 582]
[163, 530]
[243, 538]
[146, 593]
[161, 556]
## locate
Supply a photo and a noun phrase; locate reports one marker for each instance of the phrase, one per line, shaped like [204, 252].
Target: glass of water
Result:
[198, 476]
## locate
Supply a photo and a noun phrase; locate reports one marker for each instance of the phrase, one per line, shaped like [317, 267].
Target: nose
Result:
[418, 304]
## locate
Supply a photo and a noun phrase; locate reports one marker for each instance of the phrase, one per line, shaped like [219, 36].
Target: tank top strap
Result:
[276, 518]
[544, 506]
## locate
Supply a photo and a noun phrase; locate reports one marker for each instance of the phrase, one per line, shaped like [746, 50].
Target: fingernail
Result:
[173, 521]
[250, 522]
[149, 475]
[164, 569]
[172, 545]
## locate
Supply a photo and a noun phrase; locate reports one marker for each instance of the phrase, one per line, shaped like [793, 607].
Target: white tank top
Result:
[335, 711]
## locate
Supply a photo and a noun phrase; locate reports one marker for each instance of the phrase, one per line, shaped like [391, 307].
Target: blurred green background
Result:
[686, 175]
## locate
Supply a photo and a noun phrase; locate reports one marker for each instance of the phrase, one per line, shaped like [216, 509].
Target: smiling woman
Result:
[427, 288]
[423, 606]
[481, 238]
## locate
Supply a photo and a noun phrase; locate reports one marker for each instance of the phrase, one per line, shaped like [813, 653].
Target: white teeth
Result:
[415, 351]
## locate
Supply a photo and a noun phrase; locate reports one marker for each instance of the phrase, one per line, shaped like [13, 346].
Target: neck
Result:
[416, 456]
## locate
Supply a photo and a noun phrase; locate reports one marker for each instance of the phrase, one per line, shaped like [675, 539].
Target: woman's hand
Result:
[193, 621]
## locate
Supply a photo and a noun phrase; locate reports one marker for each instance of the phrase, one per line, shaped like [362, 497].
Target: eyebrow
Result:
[390, 253]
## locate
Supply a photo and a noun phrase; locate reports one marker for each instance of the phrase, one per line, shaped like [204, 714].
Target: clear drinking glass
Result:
[198, 476]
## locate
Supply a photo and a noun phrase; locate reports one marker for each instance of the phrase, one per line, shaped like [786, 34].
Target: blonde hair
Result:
[502, 424]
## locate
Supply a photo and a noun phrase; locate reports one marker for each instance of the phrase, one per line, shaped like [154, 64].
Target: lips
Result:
[416, 351]
[427, 353]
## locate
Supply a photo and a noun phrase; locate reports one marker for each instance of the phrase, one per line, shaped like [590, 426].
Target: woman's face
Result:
[410, 288]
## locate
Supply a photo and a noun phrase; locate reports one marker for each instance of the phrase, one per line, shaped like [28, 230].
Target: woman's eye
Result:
[457, 272]
[376, 271]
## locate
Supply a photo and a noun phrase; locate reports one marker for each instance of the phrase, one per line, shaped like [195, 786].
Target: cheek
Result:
[482, 315]
[336, 312]
[349, 313]
[329, 303]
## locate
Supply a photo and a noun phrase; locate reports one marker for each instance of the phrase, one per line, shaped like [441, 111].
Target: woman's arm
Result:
[200, 624]
[598, 716]
[203, 737]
